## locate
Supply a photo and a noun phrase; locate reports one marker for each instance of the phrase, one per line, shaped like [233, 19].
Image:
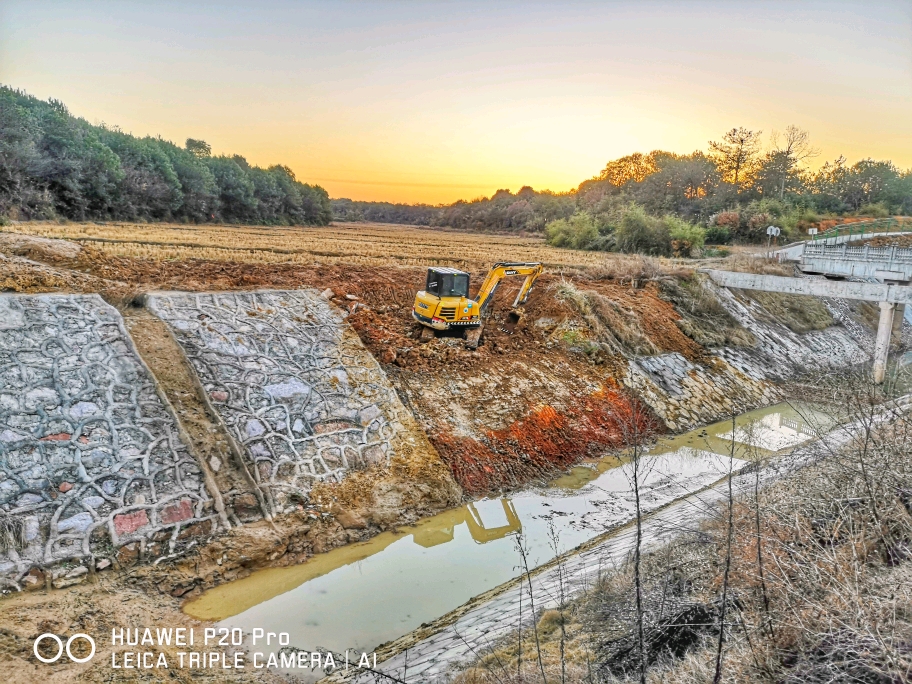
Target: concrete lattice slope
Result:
[91, 465]
[300, 396]
[686, 393]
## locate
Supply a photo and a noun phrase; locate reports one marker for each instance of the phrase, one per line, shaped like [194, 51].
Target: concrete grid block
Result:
[302, 398]
[90, 458]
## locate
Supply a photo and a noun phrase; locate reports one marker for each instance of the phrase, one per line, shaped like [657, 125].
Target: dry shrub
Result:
[728, 219]
[747, 263]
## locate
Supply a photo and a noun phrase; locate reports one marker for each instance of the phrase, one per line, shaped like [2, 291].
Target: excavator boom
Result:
[501, 271]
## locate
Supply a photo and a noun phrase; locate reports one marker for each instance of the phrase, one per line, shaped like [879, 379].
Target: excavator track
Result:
[473, 337]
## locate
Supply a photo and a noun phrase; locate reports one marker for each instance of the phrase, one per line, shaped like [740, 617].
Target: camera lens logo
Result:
[67, 648]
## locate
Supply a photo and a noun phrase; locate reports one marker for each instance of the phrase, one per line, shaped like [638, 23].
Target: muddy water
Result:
[362, 595]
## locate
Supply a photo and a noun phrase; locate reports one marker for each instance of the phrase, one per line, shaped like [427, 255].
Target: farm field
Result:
[374, 244]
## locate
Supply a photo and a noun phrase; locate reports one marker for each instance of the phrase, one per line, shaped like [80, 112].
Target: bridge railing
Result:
[858, 252]
[798, 427]
[885, 225]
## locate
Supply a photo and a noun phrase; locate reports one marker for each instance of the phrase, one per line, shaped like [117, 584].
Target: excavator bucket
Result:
[513, 319]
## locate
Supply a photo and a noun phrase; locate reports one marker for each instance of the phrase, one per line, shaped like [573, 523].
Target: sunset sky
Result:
[434, 102]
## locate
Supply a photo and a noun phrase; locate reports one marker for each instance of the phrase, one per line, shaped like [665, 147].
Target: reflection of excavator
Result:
[482, 535]
[428, 536]
[444, 302]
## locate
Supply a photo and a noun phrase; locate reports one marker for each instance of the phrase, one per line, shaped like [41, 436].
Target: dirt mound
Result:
[22, 275]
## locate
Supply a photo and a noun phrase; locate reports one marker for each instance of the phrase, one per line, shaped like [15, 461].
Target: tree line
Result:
[54, 165]
[731, 191]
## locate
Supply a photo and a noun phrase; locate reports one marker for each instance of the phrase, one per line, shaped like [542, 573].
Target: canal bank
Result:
[363, 595]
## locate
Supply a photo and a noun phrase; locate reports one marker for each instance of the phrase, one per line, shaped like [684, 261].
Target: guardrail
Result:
[884, 225]
[861, 253]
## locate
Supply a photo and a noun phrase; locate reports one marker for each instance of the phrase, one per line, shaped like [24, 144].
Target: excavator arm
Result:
[501, 271]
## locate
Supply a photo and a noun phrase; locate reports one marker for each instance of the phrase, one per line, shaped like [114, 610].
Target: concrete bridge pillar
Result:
[882, 343]
[899, 312]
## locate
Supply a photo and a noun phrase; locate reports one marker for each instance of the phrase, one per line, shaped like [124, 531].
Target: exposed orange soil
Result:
[545, 441]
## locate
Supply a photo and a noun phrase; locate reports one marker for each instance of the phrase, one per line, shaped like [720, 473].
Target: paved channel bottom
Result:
[363, 595]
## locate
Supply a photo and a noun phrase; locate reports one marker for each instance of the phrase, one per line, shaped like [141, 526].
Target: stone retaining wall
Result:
[92, 470]
[686, 394]
[302, 398]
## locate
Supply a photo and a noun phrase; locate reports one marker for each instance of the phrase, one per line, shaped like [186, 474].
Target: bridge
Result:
[883, 264]
[885, 271]
[845, 233]
[892, 298]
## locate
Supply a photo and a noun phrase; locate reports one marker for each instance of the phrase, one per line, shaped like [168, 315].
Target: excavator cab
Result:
[444, 303]
[447, 282]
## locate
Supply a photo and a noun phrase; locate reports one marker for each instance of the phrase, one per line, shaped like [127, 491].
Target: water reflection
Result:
[361, 595]
[773, 432]
[433, 535]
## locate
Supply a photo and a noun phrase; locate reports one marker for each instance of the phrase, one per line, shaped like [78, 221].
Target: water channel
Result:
[362, 595]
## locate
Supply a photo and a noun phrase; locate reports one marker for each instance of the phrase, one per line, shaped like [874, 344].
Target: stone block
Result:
[127, 523]
[176, 512]
[368, 415]
[246, 506]
[34, 579]
[75, 524]
[128, 555]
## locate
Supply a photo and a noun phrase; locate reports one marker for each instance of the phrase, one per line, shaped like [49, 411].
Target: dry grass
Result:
[608, 322]
[12, 533]
[747, 263]
[358, 243]
[801, 314]
[636, 268]
[703, 318]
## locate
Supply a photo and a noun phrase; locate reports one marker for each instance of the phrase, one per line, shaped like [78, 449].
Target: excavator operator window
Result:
[433, 283]
[447, 284]
[455, 285]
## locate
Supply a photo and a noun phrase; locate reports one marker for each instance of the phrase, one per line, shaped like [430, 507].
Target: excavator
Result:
[444, 303]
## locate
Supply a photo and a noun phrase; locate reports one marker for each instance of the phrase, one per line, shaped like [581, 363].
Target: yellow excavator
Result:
[444, 303]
